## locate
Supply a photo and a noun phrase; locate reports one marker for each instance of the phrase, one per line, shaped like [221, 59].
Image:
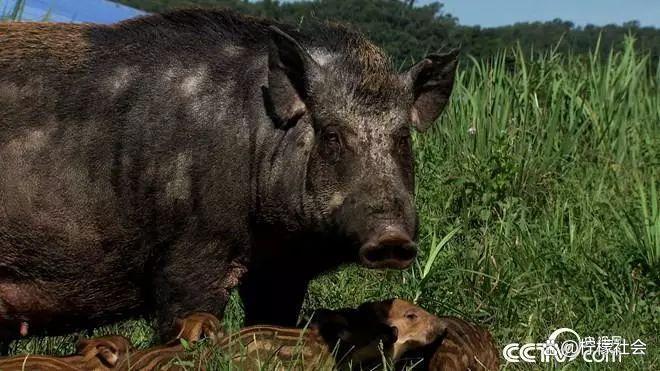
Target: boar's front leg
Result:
[273, 295]
[194, 277]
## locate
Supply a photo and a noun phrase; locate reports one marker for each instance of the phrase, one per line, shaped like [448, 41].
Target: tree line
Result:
[408, 31]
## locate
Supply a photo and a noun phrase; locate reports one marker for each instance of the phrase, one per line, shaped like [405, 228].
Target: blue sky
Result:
[98, 11]
[486, 13]
[500, 12]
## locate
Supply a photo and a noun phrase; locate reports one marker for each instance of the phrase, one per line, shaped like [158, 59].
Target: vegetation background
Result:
[537, 189]
[408, 31]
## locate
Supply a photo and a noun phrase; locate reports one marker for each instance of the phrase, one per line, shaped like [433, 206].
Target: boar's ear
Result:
[291, 71]
[431, 81]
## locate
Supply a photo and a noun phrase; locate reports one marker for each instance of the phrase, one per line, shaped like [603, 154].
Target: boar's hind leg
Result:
[193, 277]
[272, 296]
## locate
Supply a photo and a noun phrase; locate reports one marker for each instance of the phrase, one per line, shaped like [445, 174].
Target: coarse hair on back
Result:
[370, 71]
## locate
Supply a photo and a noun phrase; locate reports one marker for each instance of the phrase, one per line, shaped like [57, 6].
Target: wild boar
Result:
[153, 165]
[104, 353]
[165, 357]
[462, 346]
[193, 328]
[435, 343]
[333, 343]
[334, 340]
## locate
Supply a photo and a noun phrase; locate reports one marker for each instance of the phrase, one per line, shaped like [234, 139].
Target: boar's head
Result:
[359, 114]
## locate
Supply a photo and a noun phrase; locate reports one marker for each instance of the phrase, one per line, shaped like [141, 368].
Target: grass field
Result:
[537, 193]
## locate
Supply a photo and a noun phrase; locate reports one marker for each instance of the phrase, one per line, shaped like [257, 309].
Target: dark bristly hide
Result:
[151, 166]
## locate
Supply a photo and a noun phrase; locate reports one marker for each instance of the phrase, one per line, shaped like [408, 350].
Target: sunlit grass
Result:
[11, 13]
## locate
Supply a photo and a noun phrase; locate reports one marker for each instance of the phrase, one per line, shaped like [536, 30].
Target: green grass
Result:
[537, 193]
[13, 13]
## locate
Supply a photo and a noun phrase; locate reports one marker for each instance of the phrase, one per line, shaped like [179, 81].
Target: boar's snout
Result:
[393, 248]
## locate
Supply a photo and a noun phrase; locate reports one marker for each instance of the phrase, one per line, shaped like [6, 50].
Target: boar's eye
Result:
[411, 316]
[331, 144]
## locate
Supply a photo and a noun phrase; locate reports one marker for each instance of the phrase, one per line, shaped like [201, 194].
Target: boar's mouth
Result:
[391, 250]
